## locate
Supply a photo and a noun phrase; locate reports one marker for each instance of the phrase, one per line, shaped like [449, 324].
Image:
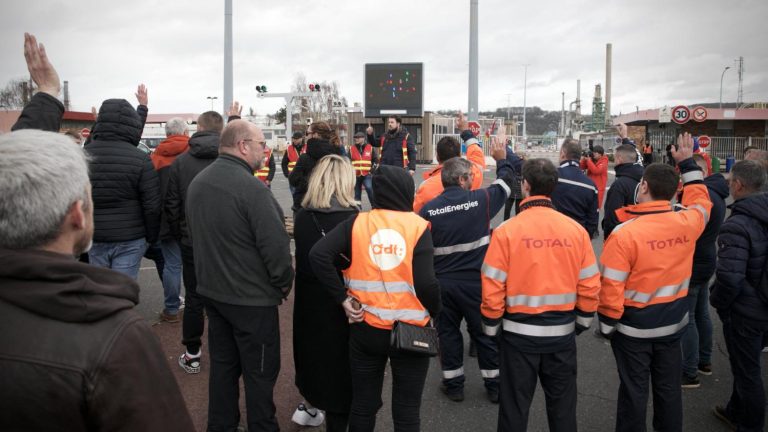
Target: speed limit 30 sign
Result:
[681, 114]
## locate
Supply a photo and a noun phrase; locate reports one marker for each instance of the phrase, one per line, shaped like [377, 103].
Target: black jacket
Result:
[242, 254]
[576, 196]
[43, 112]
[620, 194]
[392, 153]
[394, 190]
[203, 150]
[299, 178]
[705, 257]
[125, 186]
[74, 355]
[741, 259]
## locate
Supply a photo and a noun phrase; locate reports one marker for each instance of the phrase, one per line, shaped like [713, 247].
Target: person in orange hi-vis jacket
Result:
[540, 285]
[646, 269]
[448, 147]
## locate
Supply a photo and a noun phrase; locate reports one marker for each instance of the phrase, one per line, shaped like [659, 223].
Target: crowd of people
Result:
[370, 288]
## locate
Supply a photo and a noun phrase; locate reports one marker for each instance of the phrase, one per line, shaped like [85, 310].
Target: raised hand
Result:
[621, 129]
[141, 95]
[461, 122]
[94, 112]
[40, 68]
[235, 109]
[369, 129]
[684, 148]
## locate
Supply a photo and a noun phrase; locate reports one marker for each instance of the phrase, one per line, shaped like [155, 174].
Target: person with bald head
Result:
[243, 267]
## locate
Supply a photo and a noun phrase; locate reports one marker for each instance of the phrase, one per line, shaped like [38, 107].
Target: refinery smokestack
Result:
[578, 96]
[66, 95]
[608, 55]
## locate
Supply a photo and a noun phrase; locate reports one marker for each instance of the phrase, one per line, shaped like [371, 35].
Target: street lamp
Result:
[525, 93]
[212, 98]
[721, 86]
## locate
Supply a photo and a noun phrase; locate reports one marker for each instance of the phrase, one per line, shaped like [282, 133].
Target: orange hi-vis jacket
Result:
[380, 275]
[361, 162]
[263, 172]
[647, 260]
[540, 278]
[293, 156]
[432, 185]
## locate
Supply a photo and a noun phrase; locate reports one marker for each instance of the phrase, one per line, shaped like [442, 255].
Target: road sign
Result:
[474, 127]
[665, 115]
[704, 141]
[85, 132]
[699, 114]
[681, 114]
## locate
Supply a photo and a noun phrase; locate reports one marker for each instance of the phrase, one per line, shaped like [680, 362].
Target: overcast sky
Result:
[665, 52]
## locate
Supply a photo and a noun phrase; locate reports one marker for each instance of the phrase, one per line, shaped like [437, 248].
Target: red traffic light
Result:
[314, 87]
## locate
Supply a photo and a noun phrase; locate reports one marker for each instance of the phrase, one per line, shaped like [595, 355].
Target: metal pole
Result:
[562, 117]
[525, 95]
[721, 86]
[473, 61]
[608, 61]
[288, 117]
[227, 54]
[508, 95]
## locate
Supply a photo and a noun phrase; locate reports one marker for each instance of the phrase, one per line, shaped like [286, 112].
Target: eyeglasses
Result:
[261, 143]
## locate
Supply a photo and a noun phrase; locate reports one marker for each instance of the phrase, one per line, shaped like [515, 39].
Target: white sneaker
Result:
[303, 417]
[765, 349]
[181, 302]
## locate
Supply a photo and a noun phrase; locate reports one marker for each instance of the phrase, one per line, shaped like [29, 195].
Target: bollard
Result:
[729, 161]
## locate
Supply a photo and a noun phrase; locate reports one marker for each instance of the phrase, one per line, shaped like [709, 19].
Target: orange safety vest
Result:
[293, 156]
[380, 275]
[263, 172]
[405, 149]
[361, 162]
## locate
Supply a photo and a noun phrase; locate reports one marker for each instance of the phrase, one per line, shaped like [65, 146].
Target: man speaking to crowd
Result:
[397, 148]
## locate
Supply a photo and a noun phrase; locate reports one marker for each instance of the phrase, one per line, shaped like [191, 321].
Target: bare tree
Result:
[319, 106]
[17, 93]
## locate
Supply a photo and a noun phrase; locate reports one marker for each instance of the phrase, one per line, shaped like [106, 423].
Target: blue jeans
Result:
[171, 275]
[697, 339]
[360, 182]
[124, 257]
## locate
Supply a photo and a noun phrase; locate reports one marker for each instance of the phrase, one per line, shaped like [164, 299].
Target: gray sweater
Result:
[242, 254]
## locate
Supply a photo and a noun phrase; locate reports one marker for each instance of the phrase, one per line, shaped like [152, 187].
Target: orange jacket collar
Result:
[433, 173]
[535, 197]
[651, 207]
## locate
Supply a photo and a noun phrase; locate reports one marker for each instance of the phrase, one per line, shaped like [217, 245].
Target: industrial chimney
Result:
[608, 55]
[66, 95]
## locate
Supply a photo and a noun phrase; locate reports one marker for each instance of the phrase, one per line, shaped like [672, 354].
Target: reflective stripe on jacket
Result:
[405, 149]
[380, 275]
[293, 156]
[263, 172]
[541, 275]
[647, 260]
[361, 162]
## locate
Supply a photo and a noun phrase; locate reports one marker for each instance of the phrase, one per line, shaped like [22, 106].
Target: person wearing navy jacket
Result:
[460, 221]
[575, 194]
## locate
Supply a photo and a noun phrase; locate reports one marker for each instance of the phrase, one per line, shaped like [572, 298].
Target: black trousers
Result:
[193, 322]
[640, 362]
[519, 374]
[511, 201]
[744, 340]
[242, 341]
[369, 350]
[461, 300]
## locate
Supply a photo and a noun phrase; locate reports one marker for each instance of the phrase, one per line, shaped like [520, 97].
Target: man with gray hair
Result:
[243, 266]
[74, 355]
[460, 221]
[740, 294]
[175, 143]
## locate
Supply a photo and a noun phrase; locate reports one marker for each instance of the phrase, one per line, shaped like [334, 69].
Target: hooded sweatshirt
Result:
[74, 355]
[125, 186]
[742, 257]
[299, 177]
[394, 190]
[621, 194]
[162, 158]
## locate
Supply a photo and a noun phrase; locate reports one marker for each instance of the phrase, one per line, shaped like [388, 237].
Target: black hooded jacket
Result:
[125, 185]
[742, 257]
[299, 178]
[705, 257]
[203, 150]
[394, 190]
[621, 193]
[74, 355]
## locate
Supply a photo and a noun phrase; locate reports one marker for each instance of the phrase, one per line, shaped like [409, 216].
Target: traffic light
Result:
[314, 87]
[261, 88]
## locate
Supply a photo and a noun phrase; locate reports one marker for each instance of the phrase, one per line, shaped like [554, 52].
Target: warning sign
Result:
[681, 114]
[699, 114]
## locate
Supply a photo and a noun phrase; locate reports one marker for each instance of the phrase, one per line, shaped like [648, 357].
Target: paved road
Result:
[597, 379]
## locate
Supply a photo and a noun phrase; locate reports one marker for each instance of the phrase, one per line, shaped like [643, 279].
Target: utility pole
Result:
[525, 94]
[740, 94]
[288, 106]
[227, 54]
[721, 85]
[473, 61]
[562, 117]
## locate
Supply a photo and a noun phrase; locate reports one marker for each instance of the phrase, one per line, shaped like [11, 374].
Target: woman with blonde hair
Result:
[322, 141]
[320, 328]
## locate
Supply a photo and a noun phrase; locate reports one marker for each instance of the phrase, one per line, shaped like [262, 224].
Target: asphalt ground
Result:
[597, 377]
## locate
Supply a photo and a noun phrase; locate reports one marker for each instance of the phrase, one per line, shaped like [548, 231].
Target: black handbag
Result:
[415, 339]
